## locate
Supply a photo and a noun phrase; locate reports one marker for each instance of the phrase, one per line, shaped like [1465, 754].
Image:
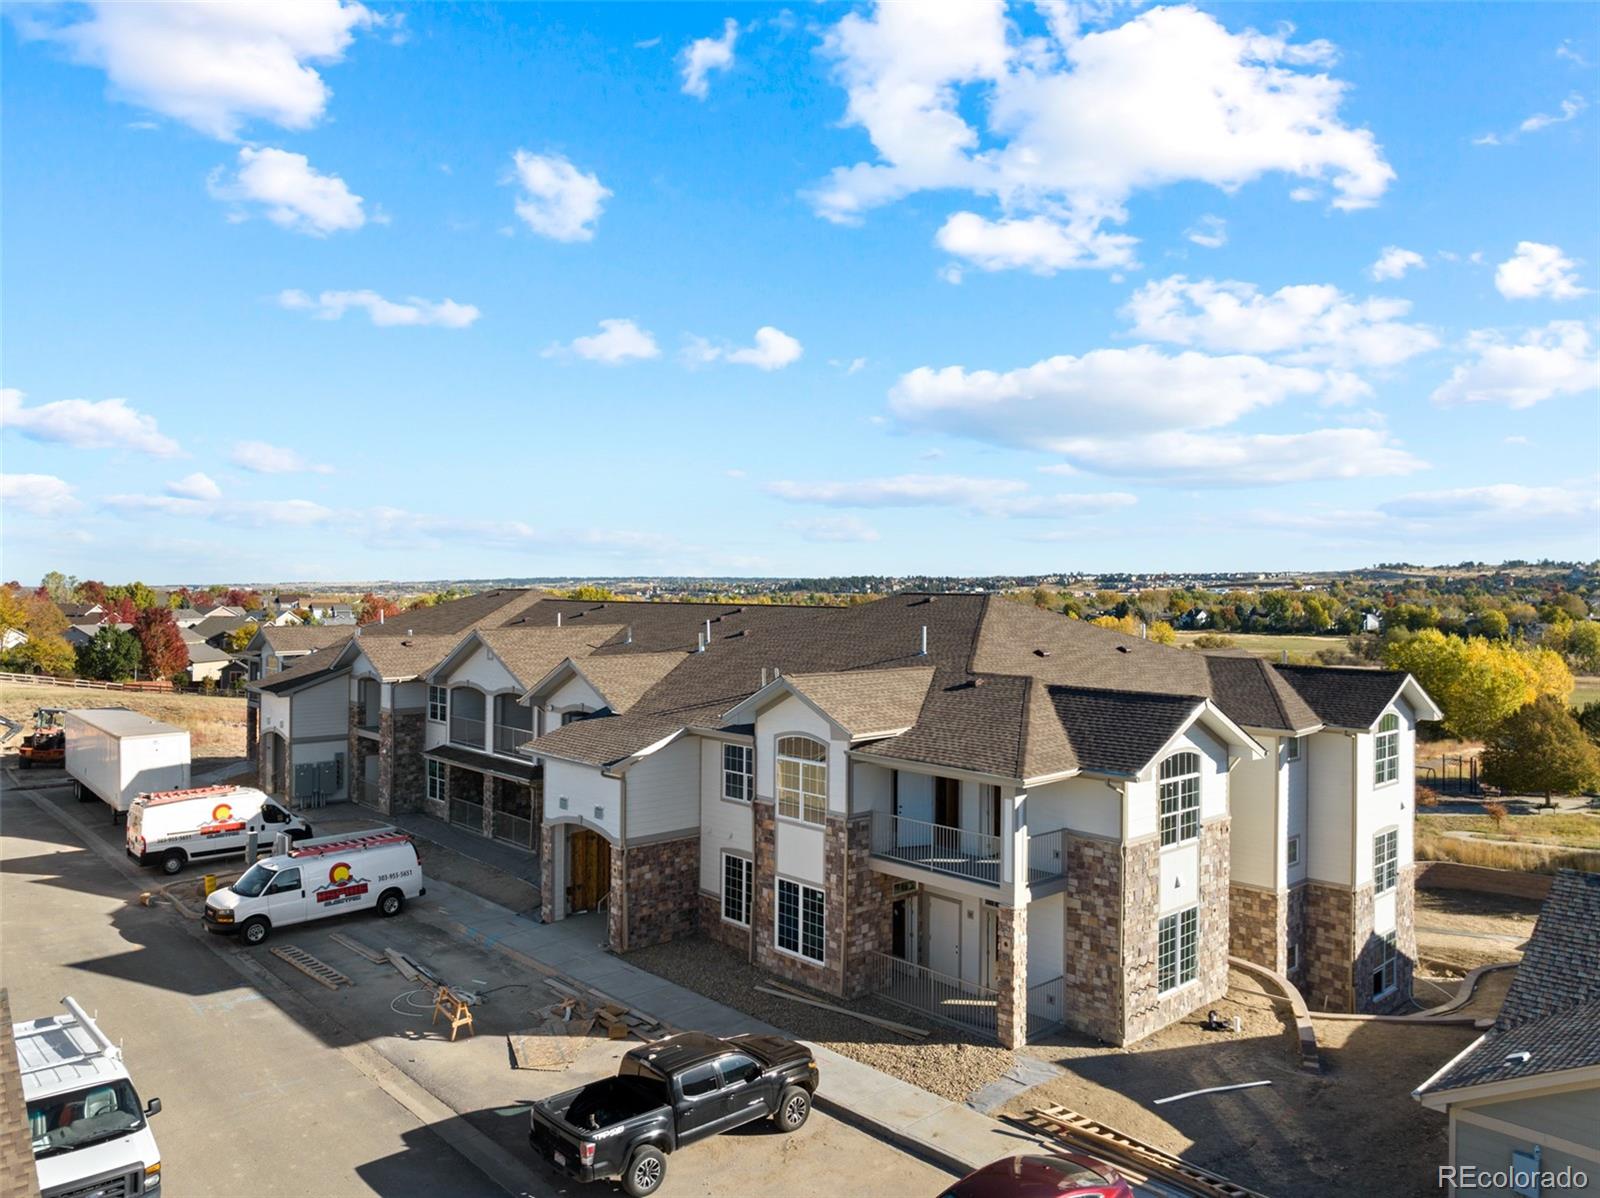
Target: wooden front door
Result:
[588, 870]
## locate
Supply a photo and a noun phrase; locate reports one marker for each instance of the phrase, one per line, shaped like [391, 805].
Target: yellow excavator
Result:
[46, 745]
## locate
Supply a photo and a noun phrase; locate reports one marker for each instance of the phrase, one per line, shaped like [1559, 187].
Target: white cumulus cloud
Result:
[999, 497]
[558, 200]
[37, 494]
[331, 305]
[704, 55]
[1073, 126]
[290, 191]
[195, 486]
[213, 66]
[1511, 502]
[1310, 323]
[1538, 271]
[1041, 244]
[773, 350]
[86, 424]
[1558, 359]
[1209, 231]
[618, 341]
[833, 529]
[1238, 459]
[260, 457]
[1394, 262]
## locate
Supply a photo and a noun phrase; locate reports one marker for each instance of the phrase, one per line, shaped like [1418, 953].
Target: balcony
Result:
[959, 853]
[508, 739]
[466, 731]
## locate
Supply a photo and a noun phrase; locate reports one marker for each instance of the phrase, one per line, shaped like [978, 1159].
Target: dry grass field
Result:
[216, 726]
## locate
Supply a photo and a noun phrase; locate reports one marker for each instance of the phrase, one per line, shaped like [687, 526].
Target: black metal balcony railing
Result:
[965, 1004]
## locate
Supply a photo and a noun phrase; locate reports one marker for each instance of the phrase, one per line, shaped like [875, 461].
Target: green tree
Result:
[44, 654]
[1477, 683]
[59, 587]
[1583, 646]
[239, 639]
[1541, 750]
[1494, 625]
[112, 656]
[1588, 717]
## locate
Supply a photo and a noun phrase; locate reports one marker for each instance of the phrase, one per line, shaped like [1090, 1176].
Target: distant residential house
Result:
[83, 613]
[1524, 1098]
[206, 662]
[11, 638]
[1371, 621]
[288, 602]
[82, 634]
[213, 628]
[186, 617]
[329, 610]
[1195, 617]
[276, 647]
[220, 609]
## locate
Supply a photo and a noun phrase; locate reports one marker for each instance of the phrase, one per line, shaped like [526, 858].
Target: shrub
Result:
[1212, 640]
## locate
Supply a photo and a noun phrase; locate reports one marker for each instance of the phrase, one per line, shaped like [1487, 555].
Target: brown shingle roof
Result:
[864, 702]
[530, 653]
[1344, 697]
[401, 658]
[297, 638]
[307, 669]
[624, 678]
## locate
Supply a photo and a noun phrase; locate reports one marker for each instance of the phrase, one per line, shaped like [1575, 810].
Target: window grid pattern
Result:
[1385, 860]
[1291, 749]
[1178, 952]
[1294, 850]
[737, 876]
[737, 782]
[801, 918]
[438, 704]
[1180, 798]
[1386, 755]
[802, 779]
[1385, 976]
[436, 780]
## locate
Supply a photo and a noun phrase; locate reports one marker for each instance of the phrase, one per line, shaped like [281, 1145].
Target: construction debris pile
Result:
[564, 1024]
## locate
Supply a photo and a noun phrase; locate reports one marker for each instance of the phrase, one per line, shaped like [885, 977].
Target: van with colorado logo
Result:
[362, 871]
[171, 828]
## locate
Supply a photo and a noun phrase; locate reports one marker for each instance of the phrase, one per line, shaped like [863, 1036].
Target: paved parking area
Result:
[473, 1077]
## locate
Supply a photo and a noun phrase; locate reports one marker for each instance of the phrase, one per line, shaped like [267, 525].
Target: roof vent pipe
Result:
[380, 615]
[924, 652]
[558, 619]
[627, 636]
[699, 642]
[708, 632]
[763, 675]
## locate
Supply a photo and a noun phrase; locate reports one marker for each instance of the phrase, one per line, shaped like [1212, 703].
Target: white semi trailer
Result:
[114, 754]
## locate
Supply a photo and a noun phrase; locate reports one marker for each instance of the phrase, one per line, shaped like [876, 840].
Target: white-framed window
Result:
[803, 779]
[1386, 752]
[801, 920]
[1292, 959]
[1385, 860]
[438, 704]
[1294, 850]
[1385, 974]
[1178, 949]
[738, 880]
[435, 779]
[738, 779]
[1291, 748]
[1180, 798]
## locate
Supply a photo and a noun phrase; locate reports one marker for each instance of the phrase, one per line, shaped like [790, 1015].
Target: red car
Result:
[1056, 1174]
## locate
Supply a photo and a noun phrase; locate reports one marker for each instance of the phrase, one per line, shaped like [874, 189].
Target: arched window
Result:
[1180, 798]
[803, 779]
[1386, 758]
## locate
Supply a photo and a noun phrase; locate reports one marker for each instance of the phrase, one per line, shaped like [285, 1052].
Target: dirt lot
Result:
[1353, 1130]
[947, 1062]
[216, 726]
[1458, 930]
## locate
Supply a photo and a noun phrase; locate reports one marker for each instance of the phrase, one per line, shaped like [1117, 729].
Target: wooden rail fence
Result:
[94, 684]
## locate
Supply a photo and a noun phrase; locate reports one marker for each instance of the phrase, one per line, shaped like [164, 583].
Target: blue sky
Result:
[330, 292]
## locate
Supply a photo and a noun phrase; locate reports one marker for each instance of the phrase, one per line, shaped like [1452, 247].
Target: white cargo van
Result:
[174, 827]
[114, 754]
[327, 876]
[90, 1133]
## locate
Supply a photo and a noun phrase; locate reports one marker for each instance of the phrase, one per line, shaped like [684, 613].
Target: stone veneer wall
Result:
[1405, 947]
[252, 726]
[1328, 946]
[1257, 928]
[868, 908]
[828, 976]
[1295, 931]
[402, 780]
[547, 871]
[362, 747]
[1011, 976]
[1091, 955]
[662, 890]
[731, 935]
[1147, 1010]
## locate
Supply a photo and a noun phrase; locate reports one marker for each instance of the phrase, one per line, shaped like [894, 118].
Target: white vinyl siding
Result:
[1178, 950]
[738, 782]
[738, 876]
[1180, 798]
[1386, 751]
[802, 779]
[801, 920]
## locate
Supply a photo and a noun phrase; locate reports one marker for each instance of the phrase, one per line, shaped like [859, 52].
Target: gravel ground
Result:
[948, 1062]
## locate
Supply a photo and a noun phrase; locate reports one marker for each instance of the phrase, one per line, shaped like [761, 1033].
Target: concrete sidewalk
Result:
[944, 1132]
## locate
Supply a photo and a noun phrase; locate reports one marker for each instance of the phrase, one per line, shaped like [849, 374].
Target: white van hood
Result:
[126, 1154]
[223, 899]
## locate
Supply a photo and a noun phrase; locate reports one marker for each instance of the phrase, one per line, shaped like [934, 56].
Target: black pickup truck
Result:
[667, 1094]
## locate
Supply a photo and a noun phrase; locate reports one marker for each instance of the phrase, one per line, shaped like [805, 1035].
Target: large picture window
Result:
[803, 779]
[1386, 758]
[1178, 953]
[1385, 860]
[738, 874]
[801, 920]
[1180, 798]
[738, 783]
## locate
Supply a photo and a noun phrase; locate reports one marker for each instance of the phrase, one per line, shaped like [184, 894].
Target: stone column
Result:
[869, 927]
[1011, 976]
[252, 726]
[617, 904]
[547, 872]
